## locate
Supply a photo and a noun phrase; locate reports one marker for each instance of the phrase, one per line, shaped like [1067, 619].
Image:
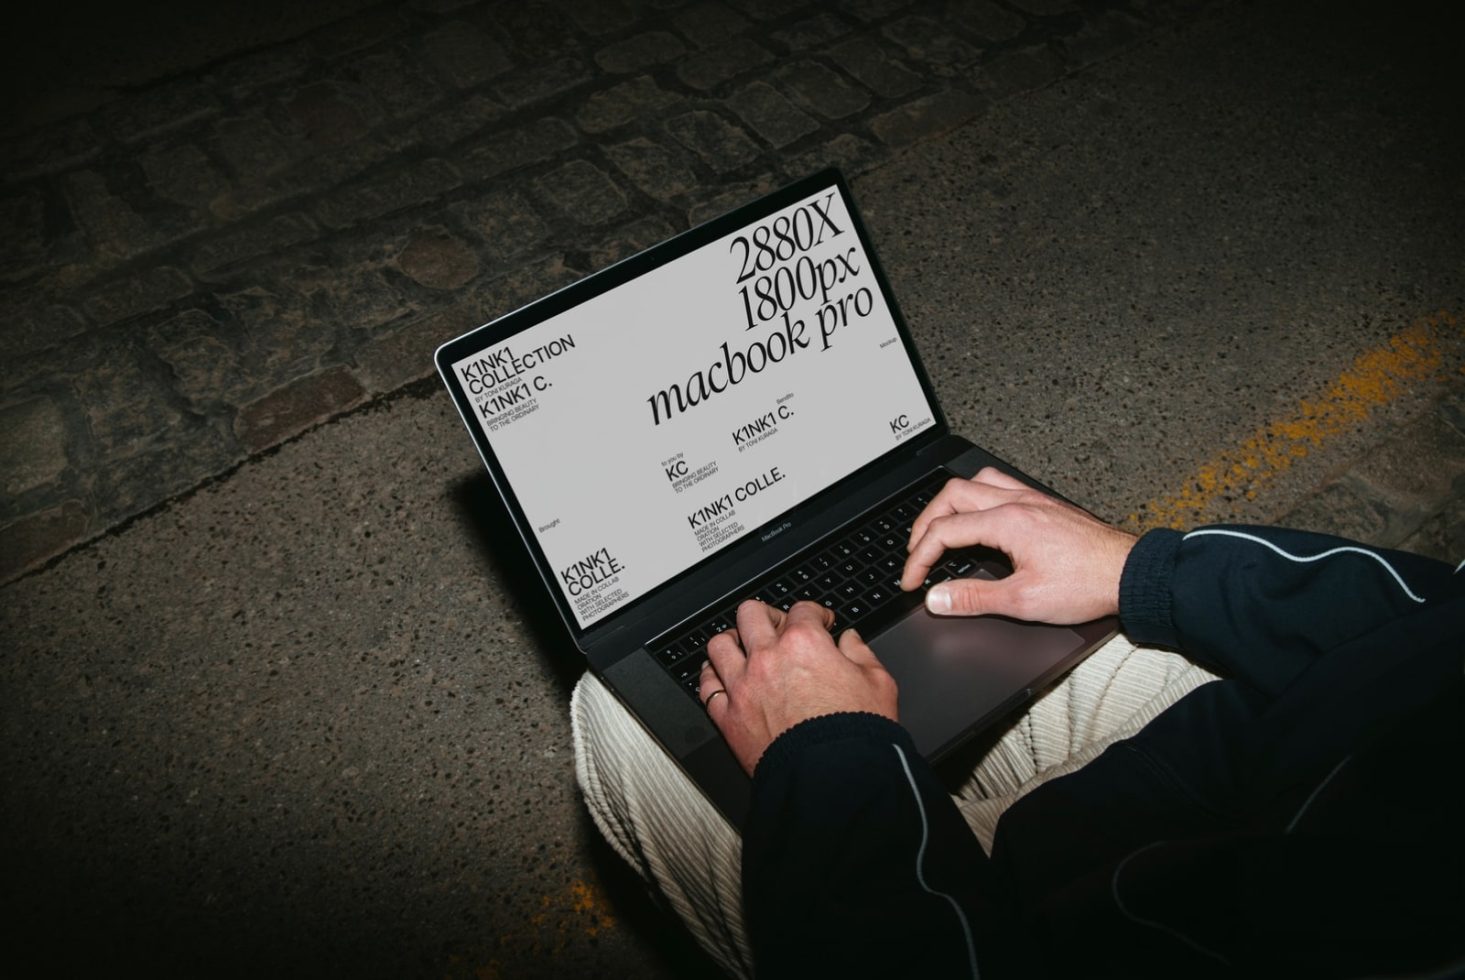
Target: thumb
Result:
[971, 597]
[853, 646]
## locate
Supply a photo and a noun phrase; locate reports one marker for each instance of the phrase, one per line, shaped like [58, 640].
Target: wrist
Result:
[1121, 545]
[1144, 587]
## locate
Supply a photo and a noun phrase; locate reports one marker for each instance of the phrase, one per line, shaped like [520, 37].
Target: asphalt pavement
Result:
[275, 698]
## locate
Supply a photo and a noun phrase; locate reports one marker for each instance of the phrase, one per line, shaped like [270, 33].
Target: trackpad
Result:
[958, 674]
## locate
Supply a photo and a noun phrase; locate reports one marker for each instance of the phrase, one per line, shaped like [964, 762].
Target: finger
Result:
[918, 565]
[996, 527]
[941, 505]
[954, 531]
[758, 624]
[708, 680]
[715, 704]
[726, 657]
[992, 476]
[977, 597]
[807, 612]
[958, 497]
[853, 646]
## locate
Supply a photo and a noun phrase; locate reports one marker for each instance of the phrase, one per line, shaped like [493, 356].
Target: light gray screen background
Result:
[619, 504]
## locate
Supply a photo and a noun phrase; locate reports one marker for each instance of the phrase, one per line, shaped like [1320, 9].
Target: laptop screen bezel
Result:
[501, 329]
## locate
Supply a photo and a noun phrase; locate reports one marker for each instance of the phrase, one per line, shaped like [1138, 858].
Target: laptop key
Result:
[959, 565]
[852, 578]
[827, 581]
[690, 667]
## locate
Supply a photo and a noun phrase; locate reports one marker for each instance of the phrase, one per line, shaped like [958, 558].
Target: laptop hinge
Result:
[664, 612]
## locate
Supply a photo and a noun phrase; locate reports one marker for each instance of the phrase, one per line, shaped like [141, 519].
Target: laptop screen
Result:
[658, 422]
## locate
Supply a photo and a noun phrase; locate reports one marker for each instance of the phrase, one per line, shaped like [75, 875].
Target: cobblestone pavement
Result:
[206, 266]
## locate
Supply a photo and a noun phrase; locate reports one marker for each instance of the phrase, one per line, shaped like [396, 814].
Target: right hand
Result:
[1066, 563]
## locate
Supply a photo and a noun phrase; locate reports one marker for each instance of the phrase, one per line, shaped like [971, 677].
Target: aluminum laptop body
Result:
[667, 433]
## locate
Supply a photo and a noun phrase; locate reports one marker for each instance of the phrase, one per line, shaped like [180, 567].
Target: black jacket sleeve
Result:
[855, 861]
[1262, 603]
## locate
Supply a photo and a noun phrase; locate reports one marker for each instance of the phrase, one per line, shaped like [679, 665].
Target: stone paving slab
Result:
[211, 264]
[1407, 491]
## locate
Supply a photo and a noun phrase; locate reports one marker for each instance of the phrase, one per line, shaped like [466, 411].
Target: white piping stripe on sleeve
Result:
[1313, 795]
[1303, 559]
[1458, 567]
[971, 947]
[1151, 923]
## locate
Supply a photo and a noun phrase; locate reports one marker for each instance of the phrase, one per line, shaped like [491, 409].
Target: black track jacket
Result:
[1301, 817]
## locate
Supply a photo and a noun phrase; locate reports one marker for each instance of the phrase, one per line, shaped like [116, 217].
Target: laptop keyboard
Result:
[858, 577]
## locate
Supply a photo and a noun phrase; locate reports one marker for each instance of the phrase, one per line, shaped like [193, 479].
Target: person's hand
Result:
[778, 669]
[1065, 563]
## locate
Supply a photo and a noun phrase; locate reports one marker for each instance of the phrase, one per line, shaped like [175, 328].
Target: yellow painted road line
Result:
[1414, 356]
[572, 918]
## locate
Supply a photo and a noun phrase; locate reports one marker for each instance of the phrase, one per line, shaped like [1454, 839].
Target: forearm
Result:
[1261, 603]
[856, 862]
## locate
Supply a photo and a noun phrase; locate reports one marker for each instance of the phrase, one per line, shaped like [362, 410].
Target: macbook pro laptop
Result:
[740, 412]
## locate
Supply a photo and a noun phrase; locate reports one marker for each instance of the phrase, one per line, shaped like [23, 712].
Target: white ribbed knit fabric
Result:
[655, 818]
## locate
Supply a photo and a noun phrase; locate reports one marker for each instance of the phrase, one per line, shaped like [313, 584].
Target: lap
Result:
[659, 822]
[1114, 693]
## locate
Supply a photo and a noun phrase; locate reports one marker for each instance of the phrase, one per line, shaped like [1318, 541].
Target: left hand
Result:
[778, 669]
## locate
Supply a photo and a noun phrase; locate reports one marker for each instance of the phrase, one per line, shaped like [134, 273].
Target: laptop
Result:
[740, 412]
